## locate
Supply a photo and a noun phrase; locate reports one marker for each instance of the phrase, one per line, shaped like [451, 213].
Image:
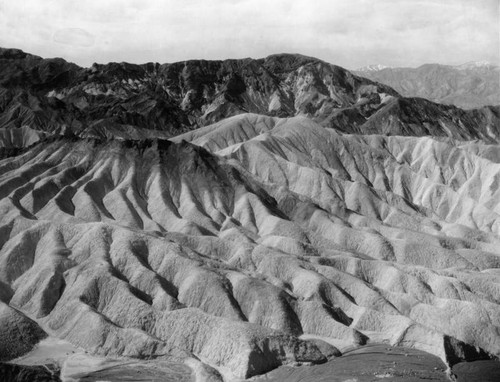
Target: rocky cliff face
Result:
[249, 242]
[472, 85]
[153, 100]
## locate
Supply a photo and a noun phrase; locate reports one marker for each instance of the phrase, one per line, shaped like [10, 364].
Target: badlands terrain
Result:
[218, 220]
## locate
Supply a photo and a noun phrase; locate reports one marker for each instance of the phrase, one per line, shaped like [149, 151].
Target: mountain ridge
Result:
[469, 85]
[465, 65]
[54, 96]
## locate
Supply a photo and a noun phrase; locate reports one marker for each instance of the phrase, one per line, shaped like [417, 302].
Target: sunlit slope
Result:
[259, 230]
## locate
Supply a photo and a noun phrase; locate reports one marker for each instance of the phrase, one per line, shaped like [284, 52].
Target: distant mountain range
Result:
[470, 85]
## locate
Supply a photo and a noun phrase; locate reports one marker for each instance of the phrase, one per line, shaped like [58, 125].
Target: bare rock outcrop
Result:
[155, 100]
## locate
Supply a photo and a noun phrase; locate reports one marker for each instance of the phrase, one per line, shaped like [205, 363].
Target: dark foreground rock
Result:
[22, 373]
[367, 364]
[484, 371]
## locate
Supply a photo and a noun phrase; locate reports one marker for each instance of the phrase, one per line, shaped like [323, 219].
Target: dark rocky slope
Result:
[141, 101]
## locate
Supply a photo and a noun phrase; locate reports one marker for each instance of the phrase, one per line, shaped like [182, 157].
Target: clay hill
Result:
[471, 85]
[223, 219]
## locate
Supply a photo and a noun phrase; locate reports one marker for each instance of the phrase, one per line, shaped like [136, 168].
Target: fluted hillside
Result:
[244, 242]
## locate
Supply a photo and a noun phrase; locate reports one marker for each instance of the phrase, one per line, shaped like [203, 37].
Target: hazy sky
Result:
[350, 33]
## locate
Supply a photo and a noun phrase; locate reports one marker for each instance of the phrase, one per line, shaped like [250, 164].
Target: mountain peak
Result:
[475, 65]
[372, 68]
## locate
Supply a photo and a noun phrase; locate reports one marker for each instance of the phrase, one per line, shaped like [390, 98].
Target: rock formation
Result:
[153, 100]
[259, 240]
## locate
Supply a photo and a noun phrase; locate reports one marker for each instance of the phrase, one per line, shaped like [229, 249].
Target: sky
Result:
[349, 33]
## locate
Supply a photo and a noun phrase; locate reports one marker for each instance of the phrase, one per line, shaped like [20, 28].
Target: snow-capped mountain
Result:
[372, 68]
[476, 65]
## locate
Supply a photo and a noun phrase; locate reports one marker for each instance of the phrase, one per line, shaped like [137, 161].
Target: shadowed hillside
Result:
[127, 100]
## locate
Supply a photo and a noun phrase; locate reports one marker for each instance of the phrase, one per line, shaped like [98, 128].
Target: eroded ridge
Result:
[244, 242]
